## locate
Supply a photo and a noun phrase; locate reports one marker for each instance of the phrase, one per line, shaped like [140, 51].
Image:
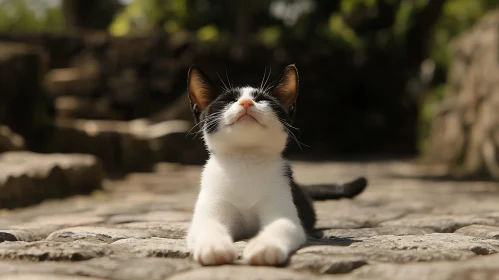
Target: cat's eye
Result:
[224, 102]
[226, 99]
[259, 98]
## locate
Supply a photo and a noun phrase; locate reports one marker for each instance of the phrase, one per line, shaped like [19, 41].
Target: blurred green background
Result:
[412, 33]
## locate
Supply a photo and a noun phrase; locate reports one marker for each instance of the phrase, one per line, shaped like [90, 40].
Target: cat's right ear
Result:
[200, 89]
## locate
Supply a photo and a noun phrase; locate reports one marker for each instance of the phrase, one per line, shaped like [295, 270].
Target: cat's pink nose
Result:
[246, 103]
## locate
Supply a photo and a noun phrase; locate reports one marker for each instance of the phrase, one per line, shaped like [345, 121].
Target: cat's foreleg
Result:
[209, 237]
[281, 234]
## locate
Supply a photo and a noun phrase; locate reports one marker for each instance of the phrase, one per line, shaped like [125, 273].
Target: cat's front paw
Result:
[214, 252]
[264, 252]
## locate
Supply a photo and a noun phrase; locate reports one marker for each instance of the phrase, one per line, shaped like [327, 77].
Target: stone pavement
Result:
[399, 228]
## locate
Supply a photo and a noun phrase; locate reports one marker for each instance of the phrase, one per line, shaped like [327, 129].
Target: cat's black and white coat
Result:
[247, 188]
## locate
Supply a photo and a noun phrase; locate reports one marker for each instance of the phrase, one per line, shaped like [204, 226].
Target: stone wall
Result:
[465, 133]
[119, 78]
[350, 102]
[21, 100]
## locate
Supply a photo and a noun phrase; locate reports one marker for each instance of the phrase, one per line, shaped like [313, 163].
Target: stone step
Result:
[125, 146]
[9, 140]
[27, 178]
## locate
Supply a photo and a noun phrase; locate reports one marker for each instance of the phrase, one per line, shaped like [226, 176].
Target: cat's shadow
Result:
[331, 241]
[317, 238]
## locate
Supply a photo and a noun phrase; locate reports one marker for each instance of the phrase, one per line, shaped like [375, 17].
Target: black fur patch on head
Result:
[221, 99]
[280, 112]
[212, 114]
[214, 110]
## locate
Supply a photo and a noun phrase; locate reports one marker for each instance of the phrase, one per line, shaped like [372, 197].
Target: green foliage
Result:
[457, 16]
[341, 33]
[208, 33]
[168, 15]
[26, 15]
[269, 36]
[352, 24]
[402, 20]
[349, 6]
[129, 19]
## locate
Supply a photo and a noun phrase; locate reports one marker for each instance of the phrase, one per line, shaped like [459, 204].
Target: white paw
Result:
[264, 252]
[214, 252]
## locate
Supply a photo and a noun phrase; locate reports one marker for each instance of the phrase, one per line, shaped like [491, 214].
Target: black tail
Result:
[336, 191]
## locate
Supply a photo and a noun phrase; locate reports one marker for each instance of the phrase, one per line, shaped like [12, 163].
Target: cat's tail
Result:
[336, 191]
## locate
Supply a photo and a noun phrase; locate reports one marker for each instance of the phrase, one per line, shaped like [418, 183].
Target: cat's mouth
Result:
[246, 118]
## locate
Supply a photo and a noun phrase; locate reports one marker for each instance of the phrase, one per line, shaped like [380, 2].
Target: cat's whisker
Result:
[225, 86]
[269, 86]
[227, 75]
[263, 78]
[268, 76]
[284, 122]
[293, 136]
[211, 123]
[195, 126]
[205, 120]
[201, 124]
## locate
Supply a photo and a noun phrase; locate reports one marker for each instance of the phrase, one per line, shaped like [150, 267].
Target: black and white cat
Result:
[247, 188]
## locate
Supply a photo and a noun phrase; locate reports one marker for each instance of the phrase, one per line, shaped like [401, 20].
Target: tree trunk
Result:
[89, 14]
[244, 17]
[419, 34]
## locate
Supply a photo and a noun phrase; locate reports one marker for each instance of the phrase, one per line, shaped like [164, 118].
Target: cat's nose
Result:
[246, 103]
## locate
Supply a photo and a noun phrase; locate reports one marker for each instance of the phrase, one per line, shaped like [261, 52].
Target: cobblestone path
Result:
[401, 227]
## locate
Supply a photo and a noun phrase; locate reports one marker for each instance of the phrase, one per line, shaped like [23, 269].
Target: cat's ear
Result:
[200, 88]
[286, 90]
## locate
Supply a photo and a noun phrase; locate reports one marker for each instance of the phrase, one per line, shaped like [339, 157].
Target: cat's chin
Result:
[246, 120]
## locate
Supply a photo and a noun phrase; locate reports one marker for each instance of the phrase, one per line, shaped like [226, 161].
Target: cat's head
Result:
[244, 120]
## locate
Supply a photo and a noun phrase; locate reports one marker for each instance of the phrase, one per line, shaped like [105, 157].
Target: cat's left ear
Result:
[286, 90]
[201, 91]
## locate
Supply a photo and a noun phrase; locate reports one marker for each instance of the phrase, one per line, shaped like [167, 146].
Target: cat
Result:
[247, 188]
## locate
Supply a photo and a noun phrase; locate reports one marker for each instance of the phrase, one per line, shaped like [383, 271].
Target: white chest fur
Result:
[244, 183]
[238, 199]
